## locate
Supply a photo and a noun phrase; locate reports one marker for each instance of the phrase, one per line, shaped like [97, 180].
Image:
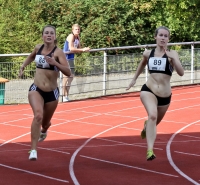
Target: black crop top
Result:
[159, 64]
[41, 62]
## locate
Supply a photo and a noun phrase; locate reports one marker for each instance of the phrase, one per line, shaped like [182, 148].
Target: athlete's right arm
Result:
[140, 68]
[28, 60]
[73, 49]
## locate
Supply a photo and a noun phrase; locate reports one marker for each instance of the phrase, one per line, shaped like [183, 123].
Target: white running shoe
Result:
[42, 136]
[33, 155]
[65, 98]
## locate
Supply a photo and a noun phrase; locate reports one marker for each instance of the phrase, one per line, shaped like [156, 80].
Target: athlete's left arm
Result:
[63, 64]
[173, 55]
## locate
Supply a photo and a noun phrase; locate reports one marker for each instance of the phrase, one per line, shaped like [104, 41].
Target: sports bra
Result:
[41, 62]
[159, 64]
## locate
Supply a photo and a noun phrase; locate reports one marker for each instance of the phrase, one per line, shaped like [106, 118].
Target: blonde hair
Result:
[75, 25]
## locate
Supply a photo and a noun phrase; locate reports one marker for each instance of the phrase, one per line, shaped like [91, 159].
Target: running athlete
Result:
[156, 93]
[44, 93]
[72, 45]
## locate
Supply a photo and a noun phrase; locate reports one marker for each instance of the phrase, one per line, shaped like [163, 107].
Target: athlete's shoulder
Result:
[70, 37]
[38, 46]
[58, 51]
[146, 53]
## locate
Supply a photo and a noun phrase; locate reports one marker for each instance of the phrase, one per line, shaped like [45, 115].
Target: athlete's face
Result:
[162, 38]
[49, 35]
[76, 30]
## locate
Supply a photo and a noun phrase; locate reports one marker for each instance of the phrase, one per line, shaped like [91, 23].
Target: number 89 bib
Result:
[157, 64]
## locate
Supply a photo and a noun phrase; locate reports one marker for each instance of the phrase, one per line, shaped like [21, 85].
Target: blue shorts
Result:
[161, 101]
[47, 96]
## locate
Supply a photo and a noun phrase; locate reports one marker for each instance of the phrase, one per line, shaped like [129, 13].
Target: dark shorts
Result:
[161, 101]
[47, 96]
[71, 65]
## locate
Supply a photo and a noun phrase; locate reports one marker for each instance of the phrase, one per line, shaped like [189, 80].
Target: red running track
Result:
[97, 142]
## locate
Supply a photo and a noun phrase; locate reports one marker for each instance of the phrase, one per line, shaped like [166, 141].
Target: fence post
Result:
[61, 85]
[146, 70]
[192, 63]
[104, 71]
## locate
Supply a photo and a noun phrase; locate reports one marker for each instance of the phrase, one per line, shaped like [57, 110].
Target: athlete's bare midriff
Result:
[159, 84]
[46, 80]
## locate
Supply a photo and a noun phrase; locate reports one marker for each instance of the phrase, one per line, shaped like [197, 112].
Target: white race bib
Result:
[41, 62]
[157, 64]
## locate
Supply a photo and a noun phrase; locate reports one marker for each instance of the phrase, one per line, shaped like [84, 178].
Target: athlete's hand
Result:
[131, 84]
[86, 49]
[50, 60]
[169, 53]
[21, 71]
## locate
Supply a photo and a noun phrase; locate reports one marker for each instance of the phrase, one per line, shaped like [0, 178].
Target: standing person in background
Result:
[72, 45]
[44, 93]
[156, 93]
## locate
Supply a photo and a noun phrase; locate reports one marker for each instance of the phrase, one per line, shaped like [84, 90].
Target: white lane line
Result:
[15, 111]
[71, 164]
[14, 139]
[128, 166]
[138, 145]
[49, 149]
[72, 174]
[187, 153]
[96, 105]
[33, 173]
[109, 140]
[119, 102]
[4, 123]
[170, 157]
[190, 136]
[184, 108]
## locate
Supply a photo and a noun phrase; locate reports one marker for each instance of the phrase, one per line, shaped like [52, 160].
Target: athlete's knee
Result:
[153, 117]
[70, 78]
[38, 117]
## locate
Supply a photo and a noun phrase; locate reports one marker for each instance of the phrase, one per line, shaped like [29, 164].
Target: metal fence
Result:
[101, 75]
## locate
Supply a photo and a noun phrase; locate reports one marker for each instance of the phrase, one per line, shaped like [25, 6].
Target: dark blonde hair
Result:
[50, 26]
[161, 27]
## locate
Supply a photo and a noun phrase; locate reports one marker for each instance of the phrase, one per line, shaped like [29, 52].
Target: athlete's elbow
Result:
[68, 73]
[181, 73]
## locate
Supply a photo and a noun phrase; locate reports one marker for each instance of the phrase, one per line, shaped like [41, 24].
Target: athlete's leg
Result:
[161, 112]
[49, 109]
[68, 84]
[69, 80]
[149, 101]
[37, 103]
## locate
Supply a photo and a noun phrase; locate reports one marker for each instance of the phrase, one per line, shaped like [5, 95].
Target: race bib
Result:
[41, 62]
[157, 64]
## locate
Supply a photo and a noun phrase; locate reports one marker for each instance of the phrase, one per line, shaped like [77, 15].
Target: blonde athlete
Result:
[44, 93]
[156, 93]
[72, 45]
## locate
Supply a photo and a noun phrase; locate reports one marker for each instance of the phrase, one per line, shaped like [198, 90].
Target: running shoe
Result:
[33, 155]
[42, 136]
[150, 155]
[65, 98]
[143, 133]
